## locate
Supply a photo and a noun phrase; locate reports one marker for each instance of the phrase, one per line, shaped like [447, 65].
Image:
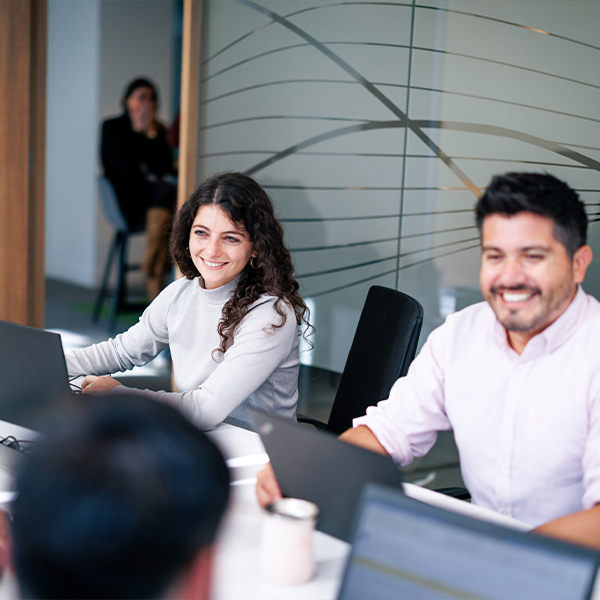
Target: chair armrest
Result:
[318, 424]
[456, 492]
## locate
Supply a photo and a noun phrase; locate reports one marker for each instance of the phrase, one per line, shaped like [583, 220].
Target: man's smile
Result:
[514, 296]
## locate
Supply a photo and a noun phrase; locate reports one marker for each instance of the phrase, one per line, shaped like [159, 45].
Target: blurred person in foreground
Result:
[138, 162]
[121, 501]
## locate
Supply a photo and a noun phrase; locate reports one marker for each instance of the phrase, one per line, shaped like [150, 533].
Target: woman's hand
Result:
[143, 120]
[98, 386]
[267, 488]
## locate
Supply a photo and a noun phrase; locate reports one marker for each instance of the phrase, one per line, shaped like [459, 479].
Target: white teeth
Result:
[516, 296]
[212, 264]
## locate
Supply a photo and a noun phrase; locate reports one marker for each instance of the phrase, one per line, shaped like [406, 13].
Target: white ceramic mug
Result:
[286, 547]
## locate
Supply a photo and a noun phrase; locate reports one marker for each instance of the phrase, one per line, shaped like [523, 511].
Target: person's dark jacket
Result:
[133, 162]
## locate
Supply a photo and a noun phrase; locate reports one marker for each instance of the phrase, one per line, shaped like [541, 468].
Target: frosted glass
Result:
[312, 97]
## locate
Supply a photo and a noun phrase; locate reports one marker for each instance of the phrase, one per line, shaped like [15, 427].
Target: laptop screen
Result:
[403, 548]
[33, 375]
[316, 466]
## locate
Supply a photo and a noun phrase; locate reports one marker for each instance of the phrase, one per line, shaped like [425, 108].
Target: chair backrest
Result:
[383, 347]
[110, 204]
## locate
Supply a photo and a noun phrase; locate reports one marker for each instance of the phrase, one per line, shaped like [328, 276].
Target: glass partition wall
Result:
[375, 125]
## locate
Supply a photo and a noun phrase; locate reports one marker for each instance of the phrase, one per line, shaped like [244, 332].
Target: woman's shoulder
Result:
[269, 300]
[269, 316]
[270, 308]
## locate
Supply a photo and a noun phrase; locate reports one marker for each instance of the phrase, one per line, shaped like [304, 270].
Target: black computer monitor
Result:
[403, 548]
[33, 375]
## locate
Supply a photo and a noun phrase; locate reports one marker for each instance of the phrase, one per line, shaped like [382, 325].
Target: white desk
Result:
[236, 570]
[8, 458]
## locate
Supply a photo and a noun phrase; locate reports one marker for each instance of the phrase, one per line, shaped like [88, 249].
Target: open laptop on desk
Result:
[403, 548]
[33, 375]
[316, 466]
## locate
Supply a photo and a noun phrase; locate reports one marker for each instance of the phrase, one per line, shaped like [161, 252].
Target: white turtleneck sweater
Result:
[259, 369]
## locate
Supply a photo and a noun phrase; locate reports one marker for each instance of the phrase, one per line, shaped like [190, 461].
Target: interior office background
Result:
[373, 125]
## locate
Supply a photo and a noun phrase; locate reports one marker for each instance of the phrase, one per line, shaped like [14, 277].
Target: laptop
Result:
[316, 466]
[33, 375]
[403, 548]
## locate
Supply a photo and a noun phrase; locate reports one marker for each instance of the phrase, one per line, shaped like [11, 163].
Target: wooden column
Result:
[190, 75]
[23, 25]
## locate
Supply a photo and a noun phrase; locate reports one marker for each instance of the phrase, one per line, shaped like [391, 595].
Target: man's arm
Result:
[267, 488]
[582, 527]
[362, 436]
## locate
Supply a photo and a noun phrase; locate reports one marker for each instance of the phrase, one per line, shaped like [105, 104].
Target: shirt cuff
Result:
[388, 439]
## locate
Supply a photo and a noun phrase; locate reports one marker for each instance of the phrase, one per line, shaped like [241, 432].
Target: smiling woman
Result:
[231, 323]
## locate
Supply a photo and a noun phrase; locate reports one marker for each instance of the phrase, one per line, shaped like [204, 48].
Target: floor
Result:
[69, 311]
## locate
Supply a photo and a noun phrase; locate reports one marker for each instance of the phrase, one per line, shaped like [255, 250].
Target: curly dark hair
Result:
[247, 205]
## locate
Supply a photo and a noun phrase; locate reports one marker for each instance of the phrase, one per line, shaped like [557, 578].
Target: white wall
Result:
[71, 139]
[95, 47]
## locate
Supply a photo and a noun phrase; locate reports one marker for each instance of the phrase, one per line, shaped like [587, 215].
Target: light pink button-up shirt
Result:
[527, 427]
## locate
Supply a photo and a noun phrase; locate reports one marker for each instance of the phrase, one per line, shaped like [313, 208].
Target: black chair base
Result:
[456, 492]
[310, 421]
[118, 302]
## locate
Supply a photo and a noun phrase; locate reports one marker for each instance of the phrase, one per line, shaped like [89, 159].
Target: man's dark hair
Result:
[541, 194]
[116, 502]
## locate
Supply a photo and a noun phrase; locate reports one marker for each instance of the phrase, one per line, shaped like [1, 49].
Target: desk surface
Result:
[9, 458]
[236, 569]
[236, 566]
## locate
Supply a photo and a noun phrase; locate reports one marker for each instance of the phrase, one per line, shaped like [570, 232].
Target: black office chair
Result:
[118, 252]
[383, 347]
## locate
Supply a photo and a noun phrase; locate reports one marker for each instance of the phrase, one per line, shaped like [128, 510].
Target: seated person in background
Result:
[231, 323]
[121, 501]
[136, 158]
[516, 377]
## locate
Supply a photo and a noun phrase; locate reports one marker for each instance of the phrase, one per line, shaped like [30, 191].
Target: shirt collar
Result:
[217, 295]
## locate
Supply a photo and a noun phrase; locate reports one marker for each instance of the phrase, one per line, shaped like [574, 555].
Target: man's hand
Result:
[581, 527]
[267, 488]
[98, 386]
